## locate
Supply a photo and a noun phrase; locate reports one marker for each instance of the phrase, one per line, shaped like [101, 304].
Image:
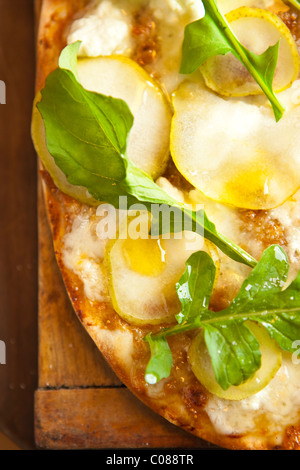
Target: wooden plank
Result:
[103, 419]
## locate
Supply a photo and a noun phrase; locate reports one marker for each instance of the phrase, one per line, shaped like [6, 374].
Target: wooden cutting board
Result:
[80, 403]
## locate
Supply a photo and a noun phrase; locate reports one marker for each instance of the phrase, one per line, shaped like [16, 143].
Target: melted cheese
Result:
[103, 30]
[84, 254]
[120, 342]
[277, 404]
[246, 160]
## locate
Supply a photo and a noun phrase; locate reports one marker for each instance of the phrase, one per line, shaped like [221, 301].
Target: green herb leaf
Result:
[87, 136]
[161, 360]
[195, 287]
[68, 58]
[212, 35]
[234, 352]
[233, 348]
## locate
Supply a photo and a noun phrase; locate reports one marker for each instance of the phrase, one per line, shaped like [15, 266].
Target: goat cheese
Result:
[104, 30]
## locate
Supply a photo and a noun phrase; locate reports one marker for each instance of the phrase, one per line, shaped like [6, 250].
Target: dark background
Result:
[18, 223]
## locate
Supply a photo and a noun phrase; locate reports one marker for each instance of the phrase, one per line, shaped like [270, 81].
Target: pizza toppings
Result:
[104, 30]
[233, 348]
[243, 160]
[212, 35]
[200, 362]
[38, 134]
[131, 270]
[95, 156]
[256, 29]
[119, 77]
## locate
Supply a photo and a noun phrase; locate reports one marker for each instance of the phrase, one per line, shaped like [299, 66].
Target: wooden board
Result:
[80, 403]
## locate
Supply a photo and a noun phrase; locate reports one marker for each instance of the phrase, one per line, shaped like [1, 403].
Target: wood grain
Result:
[103, 419]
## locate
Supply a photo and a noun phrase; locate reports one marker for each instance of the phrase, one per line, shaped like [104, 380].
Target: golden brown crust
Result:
[182, 398]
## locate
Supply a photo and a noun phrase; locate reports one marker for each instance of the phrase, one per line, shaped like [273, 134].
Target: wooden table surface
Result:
[18, 223]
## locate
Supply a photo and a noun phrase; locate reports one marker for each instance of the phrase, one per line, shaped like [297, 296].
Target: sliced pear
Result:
[256, 29]
[148, 145]
[120, 77]
[39, 139]
[143, 273]
[200, 362]
[232, 149]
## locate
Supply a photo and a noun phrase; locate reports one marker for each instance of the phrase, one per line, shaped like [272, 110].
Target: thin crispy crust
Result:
[179, 401]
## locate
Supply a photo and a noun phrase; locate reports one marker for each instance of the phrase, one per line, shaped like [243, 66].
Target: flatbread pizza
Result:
[168, 136]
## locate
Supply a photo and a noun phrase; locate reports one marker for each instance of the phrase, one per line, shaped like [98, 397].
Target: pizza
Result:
[168, 136]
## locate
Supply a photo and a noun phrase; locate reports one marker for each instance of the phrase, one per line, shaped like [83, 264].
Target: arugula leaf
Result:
[233, 348]
[212, 35]
[161, 360]
[234, 352]
[87, 134]
[68, 58]
[195, 287]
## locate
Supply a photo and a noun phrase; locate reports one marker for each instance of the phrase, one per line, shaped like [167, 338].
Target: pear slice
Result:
[200, 362]
[143, 272]
[120, 77]
[148, 145]
[232, 150]
[256, 29]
